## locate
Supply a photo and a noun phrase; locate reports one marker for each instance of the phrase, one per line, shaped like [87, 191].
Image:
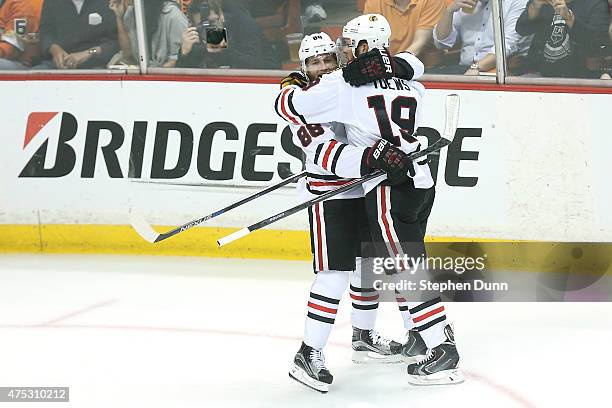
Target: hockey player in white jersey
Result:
[381, 118]
[338, 226]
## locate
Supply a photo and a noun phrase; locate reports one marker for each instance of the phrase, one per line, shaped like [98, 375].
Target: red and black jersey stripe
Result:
[321, 183]
[336, 156]
[321, 187]
[323, 176]
[401, 302]
[364, 298]
[292, 107]
[318, 153]
[324, 298]
[328, 153]
[328, 149]
[282, 108]
[322, 308]
[425, 305]
[276, 107]
[428, 314]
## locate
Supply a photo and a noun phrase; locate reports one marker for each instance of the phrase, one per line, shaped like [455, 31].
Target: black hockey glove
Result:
[368, 67]
[389, 158]
[294, 78]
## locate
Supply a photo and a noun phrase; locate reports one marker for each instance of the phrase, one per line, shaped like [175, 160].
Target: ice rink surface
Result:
[144, 332]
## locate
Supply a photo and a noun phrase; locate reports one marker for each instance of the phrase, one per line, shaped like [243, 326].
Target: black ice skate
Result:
[439, 366]
[370, 347]
[309, 368]
[414, 348]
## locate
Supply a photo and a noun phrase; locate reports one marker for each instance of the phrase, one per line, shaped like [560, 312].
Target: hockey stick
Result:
[145, 230]
[196, 185]
[451, 123]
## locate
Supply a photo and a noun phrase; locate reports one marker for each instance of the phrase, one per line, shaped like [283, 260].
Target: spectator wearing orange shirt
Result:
[19, 23]
[412, 21]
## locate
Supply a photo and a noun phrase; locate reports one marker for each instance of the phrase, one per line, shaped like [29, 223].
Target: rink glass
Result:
[279, 19]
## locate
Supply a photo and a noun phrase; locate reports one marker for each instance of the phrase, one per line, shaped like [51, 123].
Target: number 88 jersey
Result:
[330, 162]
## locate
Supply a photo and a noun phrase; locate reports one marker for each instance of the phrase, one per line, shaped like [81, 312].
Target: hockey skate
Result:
[439, 366]
[370, 347]
[414, 348]
[309, 369]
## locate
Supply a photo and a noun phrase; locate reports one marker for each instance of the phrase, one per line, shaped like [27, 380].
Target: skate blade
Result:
[299, 375]
[370, 357]
[454, 376]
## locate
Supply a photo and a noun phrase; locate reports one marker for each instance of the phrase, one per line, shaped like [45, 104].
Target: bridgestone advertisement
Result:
[101, 137]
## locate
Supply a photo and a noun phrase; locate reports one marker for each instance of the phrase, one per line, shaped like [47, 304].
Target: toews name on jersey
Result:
[393, 84]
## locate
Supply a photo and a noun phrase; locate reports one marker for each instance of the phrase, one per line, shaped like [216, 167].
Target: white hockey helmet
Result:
[315, 44]
[373, 28]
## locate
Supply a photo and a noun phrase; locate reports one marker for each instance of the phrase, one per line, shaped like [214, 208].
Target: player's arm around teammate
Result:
[337, 229]
[399, 214]
[339, 226]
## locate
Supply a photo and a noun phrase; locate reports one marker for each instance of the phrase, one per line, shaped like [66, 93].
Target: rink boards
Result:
[78, 154]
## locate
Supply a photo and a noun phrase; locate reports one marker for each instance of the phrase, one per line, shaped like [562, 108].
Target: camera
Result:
[210, 34]
[215, 36]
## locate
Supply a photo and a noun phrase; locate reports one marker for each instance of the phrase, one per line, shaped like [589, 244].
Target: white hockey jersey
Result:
[386, 109]
[330, 161]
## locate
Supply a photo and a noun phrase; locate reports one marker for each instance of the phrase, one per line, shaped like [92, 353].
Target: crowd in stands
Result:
[551, 38]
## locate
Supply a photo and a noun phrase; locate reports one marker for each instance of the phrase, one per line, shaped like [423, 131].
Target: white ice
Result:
[196, 332]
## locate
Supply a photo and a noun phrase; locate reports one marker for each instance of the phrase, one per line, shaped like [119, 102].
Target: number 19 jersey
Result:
[387, 109]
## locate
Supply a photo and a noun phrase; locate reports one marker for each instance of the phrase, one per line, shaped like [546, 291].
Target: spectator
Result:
[19, 24]
[475, 29]
[586, 23]
[412, 21]
[165, 23]
[77, 34]
[246, 45]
